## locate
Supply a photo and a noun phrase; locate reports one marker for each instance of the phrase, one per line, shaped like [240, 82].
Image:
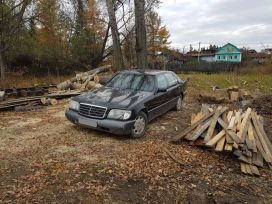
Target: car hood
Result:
[112, 97]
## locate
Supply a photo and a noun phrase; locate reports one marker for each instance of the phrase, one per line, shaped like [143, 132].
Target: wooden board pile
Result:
[241, 133]
[85, 81]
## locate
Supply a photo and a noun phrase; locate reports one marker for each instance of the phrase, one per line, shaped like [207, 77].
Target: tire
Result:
[178, 106]
[139, 125]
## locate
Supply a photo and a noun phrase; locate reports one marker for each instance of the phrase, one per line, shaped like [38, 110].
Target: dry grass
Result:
[251, 82]
[29, 81]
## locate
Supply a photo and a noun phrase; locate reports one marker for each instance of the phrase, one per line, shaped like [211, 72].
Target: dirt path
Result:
[46, 159]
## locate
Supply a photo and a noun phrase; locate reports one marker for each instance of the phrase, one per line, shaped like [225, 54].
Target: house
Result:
[228, 53]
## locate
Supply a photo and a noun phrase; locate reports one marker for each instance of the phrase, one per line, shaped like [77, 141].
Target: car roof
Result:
[145, 71]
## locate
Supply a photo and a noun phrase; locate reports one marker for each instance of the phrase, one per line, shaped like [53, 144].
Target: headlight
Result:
[119, 114]
[74, 105]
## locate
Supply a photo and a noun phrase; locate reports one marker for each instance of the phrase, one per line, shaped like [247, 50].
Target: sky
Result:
[245, 23]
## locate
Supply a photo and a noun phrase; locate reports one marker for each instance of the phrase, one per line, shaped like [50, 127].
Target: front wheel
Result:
[139, 125]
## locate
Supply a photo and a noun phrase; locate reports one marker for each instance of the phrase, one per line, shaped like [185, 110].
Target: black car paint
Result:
[153, 103]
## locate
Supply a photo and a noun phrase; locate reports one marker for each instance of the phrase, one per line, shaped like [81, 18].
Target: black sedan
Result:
[128, 102]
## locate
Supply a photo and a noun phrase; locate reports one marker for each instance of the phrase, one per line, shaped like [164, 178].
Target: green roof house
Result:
[228, 53]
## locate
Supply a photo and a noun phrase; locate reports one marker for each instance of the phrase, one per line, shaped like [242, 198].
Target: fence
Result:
[200, 67]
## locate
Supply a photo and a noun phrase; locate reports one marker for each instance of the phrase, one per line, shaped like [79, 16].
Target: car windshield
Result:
[137, 82]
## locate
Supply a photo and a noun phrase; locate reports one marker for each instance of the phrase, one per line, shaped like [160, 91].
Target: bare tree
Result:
[141, 49]
[11, 21]
[117, 51]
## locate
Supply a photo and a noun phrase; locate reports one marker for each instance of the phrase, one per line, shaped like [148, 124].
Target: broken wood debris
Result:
[241, 133]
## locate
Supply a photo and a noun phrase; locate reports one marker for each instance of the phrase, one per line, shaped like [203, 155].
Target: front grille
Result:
[92, 111]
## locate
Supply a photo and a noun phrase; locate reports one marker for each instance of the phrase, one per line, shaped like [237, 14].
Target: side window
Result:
[171, 79]
[148, 84]
[162, 83]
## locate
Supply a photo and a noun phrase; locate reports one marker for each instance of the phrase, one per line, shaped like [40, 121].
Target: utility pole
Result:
[198, 52]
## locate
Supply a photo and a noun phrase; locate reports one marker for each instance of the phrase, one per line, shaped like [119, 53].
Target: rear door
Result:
[173, 89]
[157, 105]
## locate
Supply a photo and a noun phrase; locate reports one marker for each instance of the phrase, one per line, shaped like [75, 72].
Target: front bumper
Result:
[106, 125]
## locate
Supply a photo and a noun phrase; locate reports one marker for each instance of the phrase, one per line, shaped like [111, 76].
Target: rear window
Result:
[172, 80]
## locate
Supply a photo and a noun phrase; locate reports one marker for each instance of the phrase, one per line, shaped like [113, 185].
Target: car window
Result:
[148, 84]
[162, 83]
[171, 79]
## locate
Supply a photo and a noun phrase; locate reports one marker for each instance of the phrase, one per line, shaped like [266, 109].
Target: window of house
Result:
[224, 57]
[230, 57]
[218, 57]
[235, 57]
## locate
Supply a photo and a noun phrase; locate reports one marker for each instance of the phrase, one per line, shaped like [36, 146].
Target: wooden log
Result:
[65, 85]
[90, 85]
[197, 118]
[68, 83]
[233, 96]
[83, 87]
[96, 79]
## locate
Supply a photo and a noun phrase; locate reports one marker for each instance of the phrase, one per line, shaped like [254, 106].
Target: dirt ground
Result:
[46, 159]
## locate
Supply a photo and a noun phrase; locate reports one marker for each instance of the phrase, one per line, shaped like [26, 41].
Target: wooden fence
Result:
[200, 67]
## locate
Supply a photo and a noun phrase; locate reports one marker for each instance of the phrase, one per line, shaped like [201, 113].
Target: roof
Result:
[201, 54]
[226, 49]
[145, 71]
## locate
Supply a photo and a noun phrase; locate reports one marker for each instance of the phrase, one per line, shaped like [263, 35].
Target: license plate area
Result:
[87, 122]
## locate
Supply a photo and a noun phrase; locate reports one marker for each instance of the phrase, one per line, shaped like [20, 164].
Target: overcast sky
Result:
[241, 22]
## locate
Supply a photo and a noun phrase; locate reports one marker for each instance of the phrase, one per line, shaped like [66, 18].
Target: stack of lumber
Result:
[84, 81]
[241, 133]
[11, 103]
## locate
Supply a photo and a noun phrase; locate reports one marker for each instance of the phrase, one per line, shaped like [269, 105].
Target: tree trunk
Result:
[2, 67]
[118, 56]
[141, 50]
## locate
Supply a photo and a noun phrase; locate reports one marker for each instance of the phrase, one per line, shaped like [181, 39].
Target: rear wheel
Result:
[139, 125]
[179, 104]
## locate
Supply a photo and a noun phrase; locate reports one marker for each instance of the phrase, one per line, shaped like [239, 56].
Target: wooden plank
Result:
[192, 127]
[257, 159]
[261, 150]
[250, 139]
[229, 115]
[197, 118]
[230, 133]
[254, 170]
[229, 140]
[261, 138]
[245, 159]
[231, 123]
[261, 126]
[248, 169]
[243, 168]
[216, 138]
[220, 145]
[237, 153]
[244, 125]
[228, 147]
[211, 110]
[198, 132]
[213, 124]
[235, 145]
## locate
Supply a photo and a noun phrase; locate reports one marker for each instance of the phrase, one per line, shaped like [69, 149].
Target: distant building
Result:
[228, 53]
